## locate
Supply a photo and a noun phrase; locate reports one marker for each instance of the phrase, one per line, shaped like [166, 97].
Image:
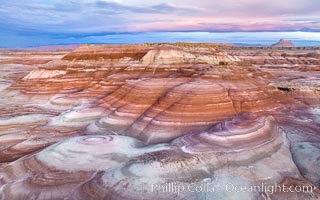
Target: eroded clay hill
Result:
[110, 121]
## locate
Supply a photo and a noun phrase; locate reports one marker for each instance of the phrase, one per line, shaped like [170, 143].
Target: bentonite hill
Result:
[122, 121]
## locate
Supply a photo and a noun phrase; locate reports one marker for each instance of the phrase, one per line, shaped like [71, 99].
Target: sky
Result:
[45, 22]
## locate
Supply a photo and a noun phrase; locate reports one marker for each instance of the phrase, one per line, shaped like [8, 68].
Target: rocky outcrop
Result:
[171, 56]
[43, 73]
[106, 52]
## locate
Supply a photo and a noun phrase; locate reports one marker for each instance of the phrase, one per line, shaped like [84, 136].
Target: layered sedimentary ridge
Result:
[293, 70]
[129, 121]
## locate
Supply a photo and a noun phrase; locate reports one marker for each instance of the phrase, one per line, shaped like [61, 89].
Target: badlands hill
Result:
[110, 121]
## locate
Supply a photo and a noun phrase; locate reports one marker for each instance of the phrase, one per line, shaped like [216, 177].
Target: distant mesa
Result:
[284, 43]
[228, 44]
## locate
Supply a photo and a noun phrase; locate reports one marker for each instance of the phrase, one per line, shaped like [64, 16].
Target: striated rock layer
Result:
[160, 121]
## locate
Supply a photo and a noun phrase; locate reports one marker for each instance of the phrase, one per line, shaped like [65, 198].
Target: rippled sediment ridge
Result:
[129, 121]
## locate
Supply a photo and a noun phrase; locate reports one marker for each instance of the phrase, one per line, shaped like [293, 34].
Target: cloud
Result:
[80, 18]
